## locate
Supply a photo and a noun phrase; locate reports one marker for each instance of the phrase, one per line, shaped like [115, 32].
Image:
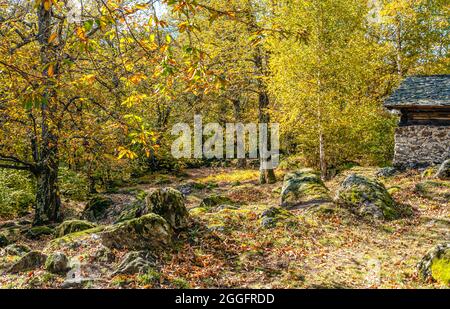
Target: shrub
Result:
[17, 194]
[73, 185]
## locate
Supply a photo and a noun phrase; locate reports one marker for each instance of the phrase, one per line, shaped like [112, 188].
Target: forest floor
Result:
[228, 247]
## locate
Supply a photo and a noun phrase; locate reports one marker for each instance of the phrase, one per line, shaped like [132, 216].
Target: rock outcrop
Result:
[96, 209]
[73, 226]
[147, 232]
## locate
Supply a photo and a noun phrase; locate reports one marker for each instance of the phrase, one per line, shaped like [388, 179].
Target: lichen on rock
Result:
[74, 238]
[368, 198]
[435, 265]
[29, 261]
[147, 232]
[17, 250]
[73, 226]
[169, 204]
[272, 216]
[215, 200]
[135, 262]
[38, 231]
[57, 263]
[302, 189]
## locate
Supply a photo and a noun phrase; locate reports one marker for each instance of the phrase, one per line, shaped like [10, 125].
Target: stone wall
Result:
[421, 145]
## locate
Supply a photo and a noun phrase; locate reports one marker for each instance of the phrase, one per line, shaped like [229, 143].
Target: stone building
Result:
[423, 135]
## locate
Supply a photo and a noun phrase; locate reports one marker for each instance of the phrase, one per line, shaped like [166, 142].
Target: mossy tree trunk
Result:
[47, 193]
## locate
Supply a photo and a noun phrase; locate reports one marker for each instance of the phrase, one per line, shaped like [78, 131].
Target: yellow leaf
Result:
[81, 34]
[137, 78]
[50, 71]
[47, 4]
[52, 37]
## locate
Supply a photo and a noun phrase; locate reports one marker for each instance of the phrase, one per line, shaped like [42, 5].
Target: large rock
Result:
[303, 188]
[30, 261]
[11, 234]
[132, 211]
[135, 262]
[73, 226]
[57, 263]
[272, 216]
[169, 204]
[97, 208]
[435, 265]
[147, 232]
[17, 249]
[367, 198]
[38, 232]
[444, 171]
[75, 240]
[215, 200]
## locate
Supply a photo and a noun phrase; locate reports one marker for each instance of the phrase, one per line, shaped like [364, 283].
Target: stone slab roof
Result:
[421, 91]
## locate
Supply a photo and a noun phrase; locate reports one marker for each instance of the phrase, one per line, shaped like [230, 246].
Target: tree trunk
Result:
[323, 162]
[266, 175]
[48, 201]
[241, 162]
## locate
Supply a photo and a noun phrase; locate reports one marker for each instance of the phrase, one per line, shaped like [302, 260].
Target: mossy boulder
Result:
[73, 226]
[272, 216]
[147, 232]
[30, 261]
[10, 235]
[57, 263]
[215, 200]
[368, 198]
[96, 209]
[435, 265]
[17, 250]
[135, 262]
[38, 231]
[444, 171]
[169, 204]
[132, 211]
[303, 188]
[74, 239]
